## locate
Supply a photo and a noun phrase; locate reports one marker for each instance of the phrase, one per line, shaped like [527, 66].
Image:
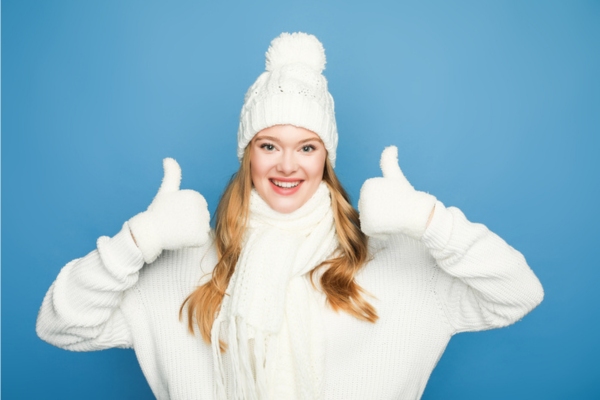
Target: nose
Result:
[287, 163]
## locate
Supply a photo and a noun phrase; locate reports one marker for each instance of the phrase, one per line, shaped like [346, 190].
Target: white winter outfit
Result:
[458, 277]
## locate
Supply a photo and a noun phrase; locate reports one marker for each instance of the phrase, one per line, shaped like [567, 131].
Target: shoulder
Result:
[181, 269]
[398, 261]
[399, 282]
[398, 250]
[164, 285]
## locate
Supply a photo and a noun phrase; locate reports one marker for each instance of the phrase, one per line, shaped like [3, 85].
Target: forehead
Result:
[286, 133]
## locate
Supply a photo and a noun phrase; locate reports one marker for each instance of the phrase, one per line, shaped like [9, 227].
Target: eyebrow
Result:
[274, 139]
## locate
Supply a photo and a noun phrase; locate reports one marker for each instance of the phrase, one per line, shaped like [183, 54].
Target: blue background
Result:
[495, 107]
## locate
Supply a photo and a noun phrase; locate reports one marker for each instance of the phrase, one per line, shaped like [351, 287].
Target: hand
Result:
[391, 205]
[175, 218]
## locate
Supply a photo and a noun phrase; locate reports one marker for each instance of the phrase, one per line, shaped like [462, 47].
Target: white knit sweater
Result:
[459, 277]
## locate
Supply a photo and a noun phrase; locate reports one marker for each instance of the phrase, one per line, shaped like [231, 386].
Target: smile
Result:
[285, 185]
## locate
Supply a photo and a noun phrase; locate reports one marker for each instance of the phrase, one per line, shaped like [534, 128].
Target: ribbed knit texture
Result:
[459, 277]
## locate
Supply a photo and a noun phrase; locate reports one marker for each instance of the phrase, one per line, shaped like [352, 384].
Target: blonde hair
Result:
[337, 281]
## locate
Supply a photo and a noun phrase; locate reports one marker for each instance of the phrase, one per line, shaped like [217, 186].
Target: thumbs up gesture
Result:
[175, 218]
[390, 205]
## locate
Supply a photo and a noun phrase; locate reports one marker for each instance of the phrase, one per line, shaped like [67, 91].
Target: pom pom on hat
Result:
[297, 47]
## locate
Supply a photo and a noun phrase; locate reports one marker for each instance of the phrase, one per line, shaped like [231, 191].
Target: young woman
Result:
[294, 295]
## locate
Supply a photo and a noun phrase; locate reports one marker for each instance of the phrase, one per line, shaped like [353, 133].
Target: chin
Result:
[286, 201]
[286, 207]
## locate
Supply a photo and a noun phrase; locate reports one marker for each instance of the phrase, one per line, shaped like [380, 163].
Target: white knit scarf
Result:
[270, 316]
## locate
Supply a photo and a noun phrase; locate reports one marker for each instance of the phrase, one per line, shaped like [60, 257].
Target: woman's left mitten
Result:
[390, 205]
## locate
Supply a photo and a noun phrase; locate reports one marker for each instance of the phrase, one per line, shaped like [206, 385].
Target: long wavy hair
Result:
[337, 280]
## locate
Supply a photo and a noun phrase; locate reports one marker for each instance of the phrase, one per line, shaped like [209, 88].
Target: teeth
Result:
[285, 185]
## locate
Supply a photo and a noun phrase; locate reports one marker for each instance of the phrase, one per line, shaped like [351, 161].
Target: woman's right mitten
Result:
[175, 218]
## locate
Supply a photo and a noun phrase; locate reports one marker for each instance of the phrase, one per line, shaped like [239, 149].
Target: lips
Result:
[285, 188]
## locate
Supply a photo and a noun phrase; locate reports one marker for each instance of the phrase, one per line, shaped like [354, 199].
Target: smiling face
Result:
[286, 165]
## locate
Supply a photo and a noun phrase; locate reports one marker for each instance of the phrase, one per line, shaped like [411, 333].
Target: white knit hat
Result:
[291, 91]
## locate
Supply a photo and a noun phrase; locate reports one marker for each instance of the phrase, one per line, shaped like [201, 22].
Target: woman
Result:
[293, 295]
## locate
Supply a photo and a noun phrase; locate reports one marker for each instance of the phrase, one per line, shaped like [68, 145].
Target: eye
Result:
[308, 148]
[267, 146]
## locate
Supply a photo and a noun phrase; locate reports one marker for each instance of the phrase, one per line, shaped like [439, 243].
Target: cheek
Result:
[258, 168]
[315, 169]
[254, 172]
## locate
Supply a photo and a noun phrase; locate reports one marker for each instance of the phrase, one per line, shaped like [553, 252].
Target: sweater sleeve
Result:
[80, 311]
[482, 282]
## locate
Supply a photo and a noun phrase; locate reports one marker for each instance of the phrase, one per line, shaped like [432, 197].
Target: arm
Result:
[81, 310]
[482, 282]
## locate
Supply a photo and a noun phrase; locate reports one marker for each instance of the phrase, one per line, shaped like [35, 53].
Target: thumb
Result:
[389, 163]
[172, 177]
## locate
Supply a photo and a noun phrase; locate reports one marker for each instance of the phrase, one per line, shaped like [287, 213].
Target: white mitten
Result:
[175, 218]
[391, 205]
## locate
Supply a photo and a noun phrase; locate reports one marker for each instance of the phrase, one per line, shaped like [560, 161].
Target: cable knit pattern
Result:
[458, 277]
[293, 91]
